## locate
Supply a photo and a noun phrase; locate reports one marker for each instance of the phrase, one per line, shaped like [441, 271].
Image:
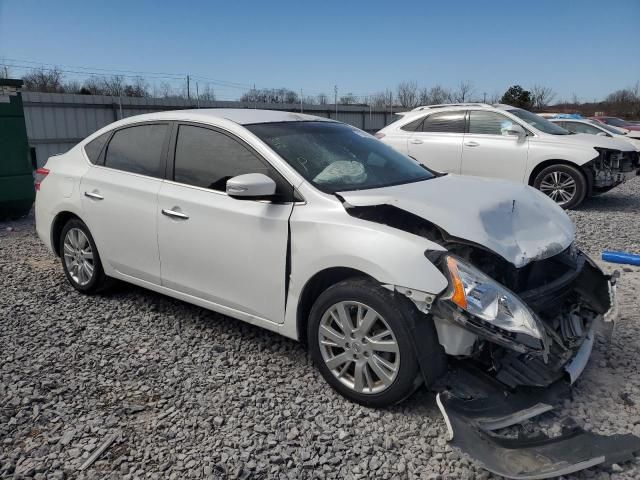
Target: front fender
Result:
[386, 254]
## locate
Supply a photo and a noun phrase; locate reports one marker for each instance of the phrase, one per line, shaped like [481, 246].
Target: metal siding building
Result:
[57, 121]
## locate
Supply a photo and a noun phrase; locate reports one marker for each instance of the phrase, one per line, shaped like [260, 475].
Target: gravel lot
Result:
[192, 394]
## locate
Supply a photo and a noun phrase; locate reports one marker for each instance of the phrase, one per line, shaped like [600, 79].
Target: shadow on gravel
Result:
[294, 352]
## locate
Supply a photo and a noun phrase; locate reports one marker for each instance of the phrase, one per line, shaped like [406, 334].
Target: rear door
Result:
[119, 199]
[215, 247]
[488, 151]
[437, 141]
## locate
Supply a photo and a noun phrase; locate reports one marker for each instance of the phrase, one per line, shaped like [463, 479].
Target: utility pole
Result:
[188, 89]
[484, 97]
[197, 96]
[335, 97]
[300, 100]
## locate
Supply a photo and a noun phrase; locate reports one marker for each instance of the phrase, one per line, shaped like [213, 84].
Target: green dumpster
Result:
[16, 173]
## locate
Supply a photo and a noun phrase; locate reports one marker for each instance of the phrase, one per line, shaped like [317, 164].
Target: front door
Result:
[215, 247]
[488, 151]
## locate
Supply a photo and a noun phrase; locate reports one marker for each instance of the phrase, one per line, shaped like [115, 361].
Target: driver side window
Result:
[207, 158]
[489, 123]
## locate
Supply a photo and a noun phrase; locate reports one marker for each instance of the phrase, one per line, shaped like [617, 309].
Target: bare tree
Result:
[207, 93]
[348, 99]
[72, 86]
[495, 97]
[436, 95]
[42, 80]
[464, 92]
[5, 72]
[322, 99]
[408, 94]
[541, 96]
[113, 86]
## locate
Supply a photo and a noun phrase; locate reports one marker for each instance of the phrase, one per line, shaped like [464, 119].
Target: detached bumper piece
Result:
[473, 422]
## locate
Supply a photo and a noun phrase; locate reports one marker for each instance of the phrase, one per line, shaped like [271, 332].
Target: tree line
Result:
[408, 94]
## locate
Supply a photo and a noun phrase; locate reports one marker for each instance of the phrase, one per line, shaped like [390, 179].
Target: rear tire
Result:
[564, 184]
[80, 258]
[359, 339]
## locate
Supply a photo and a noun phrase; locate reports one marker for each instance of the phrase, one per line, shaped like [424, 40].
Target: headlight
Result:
[486, 299]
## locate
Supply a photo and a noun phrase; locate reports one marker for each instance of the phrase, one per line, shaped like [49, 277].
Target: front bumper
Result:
[476, 421]
[481, 414]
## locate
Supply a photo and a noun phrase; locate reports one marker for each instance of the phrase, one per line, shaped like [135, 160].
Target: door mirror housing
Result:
[602, 134]
[515, 130]
[251, 186]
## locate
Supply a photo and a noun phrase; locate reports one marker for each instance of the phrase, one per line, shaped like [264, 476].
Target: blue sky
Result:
[585, 47]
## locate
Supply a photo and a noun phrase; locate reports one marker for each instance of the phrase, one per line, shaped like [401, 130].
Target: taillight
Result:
[378, 135]
[41, 174]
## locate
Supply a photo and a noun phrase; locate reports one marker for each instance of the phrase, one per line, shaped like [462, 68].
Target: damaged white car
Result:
[501, 141]
[393, 275]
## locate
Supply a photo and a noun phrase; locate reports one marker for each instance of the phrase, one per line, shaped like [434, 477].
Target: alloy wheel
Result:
[78, 256]
[559, 186]
[359, 347]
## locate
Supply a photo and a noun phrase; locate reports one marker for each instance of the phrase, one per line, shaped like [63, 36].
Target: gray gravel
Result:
[193, 394]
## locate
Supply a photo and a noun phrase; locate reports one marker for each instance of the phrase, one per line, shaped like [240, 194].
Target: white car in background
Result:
[591, 127]
[511, 143]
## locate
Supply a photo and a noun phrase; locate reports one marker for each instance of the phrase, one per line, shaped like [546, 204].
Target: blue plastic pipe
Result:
[621, 257]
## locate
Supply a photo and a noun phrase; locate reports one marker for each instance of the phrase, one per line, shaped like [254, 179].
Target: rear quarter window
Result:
[93, 149]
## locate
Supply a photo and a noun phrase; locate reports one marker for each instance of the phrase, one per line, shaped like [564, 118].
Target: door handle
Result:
[416, 141]
[471, 144]
[174, 214]
[93, 195]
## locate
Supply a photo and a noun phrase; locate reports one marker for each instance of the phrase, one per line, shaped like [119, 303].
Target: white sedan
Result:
[318, 231]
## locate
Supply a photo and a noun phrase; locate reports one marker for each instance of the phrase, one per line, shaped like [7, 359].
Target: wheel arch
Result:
[317, 284]
[57, 225]
[588, 176]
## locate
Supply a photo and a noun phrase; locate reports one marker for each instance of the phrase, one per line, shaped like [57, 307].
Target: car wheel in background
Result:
[359, 339]
[80, 258]
[564, 184]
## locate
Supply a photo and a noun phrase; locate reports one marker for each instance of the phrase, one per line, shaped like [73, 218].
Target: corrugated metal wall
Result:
[57, 121]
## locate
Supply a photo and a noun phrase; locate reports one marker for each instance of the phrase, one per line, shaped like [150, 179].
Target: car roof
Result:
[242, 116]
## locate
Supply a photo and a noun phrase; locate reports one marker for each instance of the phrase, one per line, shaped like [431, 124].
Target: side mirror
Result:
[515, 130]
[602, 134]
[251, 186]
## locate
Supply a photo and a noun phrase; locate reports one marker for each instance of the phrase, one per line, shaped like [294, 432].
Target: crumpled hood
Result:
[513, 220]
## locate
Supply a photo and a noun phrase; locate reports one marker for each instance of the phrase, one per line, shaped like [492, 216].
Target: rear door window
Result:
[444, 122]
[137, 149]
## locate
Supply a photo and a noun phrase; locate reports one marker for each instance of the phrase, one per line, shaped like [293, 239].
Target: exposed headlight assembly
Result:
[487, 300]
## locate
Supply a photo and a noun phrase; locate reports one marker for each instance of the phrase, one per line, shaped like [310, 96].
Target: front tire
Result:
[80, 259]
[564, 184]
[359, 339]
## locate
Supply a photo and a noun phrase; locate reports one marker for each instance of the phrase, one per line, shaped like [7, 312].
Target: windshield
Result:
[608, 128]
[616, 122]
[336, 157]
[538, 122]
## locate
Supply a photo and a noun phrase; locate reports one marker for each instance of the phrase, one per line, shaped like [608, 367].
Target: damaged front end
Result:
[526, 340]
[611, 168]
[531, 326]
